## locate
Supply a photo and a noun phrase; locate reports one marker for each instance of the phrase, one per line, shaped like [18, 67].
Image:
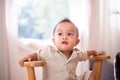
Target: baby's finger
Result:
[21, 63]
[29, 59]
[101, 54]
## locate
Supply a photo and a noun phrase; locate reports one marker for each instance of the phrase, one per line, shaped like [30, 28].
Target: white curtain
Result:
[10, 69]
[4, 59]
[105, 31]
[104, 27]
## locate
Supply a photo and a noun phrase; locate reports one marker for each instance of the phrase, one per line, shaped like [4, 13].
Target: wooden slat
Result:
[30, 68]
[100, 57]
[33, 64]
[97, 66]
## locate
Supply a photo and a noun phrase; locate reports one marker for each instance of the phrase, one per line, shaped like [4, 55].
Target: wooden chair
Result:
[97, 66]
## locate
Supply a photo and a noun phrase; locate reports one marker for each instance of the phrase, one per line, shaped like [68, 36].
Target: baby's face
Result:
[65, 36]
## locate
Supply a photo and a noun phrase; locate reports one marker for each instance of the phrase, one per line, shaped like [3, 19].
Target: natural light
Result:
[36, 19]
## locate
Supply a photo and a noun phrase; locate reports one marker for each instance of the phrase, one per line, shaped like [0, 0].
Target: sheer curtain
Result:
[104, 27]
[105, 31]
[4, 59]
[10, 69]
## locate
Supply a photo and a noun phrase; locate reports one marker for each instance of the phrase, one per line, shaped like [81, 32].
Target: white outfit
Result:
[58, 67]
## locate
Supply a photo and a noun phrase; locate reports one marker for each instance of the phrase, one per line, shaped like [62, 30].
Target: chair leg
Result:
[97, 67]
[31, 73]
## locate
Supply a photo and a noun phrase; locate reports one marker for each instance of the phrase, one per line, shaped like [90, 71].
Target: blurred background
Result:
[27, 25]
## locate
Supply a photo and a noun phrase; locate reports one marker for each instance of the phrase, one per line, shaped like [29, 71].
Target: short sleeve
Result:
[43, 53]
[82, 55]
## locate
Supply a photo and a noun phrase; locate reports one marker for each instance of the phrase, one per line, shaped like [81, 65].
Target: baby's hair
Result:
[66, 20]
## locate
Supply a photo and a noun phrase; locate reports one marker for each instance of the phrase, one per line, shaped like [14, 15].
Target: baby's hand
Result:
[94, 53]
[101, 54]
[24, 59]
[30, 57]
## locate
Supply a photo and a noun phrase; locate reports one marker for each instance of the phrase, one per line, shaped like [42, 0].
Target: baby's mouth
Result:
[64, 42]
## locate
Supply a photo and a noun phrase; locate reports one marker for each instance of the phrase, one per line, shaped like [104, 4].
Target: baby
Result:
[61, 59]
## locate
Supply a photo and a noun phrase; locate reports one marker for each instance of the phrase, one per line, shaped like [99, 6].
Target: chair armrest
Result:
[100, 57]
[33, 64]
[41, 63]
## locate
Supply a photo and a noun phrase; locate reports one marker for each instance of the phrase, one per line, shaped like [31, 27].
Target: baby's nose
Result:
[64, 37]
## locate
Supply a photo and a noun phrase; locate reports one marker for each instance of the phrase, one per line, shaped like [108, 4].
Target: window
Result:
[36, 18]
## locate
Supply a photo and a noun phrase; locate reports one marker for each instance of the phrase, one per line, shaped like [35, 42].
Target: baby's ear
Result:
[53, 40]
[78, 41]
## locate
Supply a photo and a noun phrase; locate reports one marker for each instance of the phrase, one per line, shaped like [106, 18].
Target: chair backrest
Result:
[97, 66]
[117, 67]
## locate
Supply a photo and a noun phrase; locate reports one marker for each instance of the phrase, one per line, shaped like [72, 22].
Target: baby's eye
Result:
[70, 34]
[59, 34]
